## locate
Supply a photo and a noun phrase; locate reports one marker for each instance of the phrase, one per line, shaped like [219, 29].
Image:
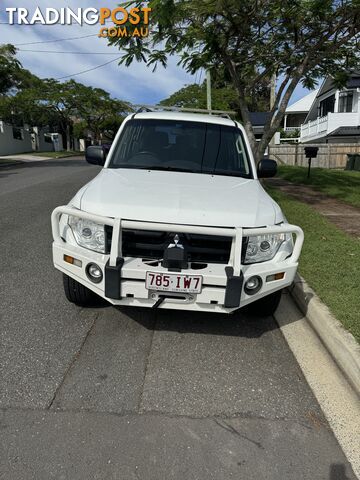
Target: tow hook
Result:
[159, 301]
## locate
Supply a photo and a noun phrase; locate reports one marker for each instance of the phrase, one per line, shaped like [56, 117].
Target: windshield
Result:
[182, 146]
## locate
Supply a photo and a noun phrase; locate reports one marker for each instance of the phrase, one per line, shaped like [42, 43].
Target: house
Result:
[15, 140]
[334, 116]
[296, 113]
[258, 121]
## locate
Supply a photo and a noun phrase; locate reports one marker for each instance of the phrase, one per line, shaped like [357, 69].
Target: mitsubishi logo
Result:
[176, 243]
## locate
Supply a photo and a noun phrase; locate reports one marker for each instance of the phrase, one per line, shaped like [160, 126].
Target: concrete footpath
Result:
[12, 160]
[329, 358]
[24, 157]
[344, 216]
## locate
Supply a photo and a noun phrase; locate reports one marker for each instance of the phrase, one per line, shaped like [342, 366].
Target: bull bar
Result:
[232, 272]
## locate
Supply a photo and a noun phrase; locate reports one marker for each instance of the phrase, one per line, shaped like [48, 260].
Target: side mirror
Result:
[95, 155]
[266, 168]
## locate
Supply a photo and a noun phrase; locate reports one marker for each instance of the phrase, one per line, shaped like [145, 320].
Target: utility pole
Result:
[272, 99]
[208, 89]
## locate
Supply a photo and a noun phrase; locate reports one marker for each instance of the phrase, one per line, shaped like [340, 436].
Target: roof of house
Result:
[345, 131]
[303, 105]
[327, 87]
[258, 118]
[354, 81]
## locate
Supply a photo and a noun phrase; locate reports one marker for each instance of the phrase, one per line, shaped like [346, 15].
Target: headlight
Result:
[88, 234]
[264, 247]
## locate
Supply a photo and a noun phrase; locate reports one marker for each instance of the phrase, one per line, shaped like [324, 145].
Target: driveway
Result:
[128, 394]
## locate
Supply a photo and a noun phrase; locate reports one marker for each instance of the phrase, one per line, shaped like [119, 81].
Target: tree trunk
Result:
[244, 110]
[277, 111]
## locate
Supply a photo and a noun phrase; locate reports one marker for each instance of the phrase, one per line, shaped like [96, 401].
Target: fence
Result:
[331, 155]
[14, 140]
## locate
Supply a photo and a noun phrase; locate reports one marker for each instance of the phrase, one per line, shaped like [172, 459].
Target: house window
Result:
[18, 133]
[345, 101]
[327, 105]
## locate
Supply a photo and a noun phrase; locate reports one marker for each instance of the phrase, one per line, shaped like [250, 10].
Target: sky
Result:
[137, 83]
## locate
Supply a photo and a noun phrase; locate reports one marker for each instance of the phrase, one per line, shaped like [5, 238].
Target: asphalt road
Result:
[136, 394]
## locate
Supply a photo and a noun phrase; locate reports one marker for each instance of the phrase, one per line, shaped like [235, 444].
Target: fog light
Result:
[94, 272]
[253, 285]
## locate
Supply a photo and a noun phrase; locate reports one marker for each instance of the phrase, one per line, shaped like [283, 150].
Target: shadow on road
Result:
[237, 324]
[240, 323]
[338, 472]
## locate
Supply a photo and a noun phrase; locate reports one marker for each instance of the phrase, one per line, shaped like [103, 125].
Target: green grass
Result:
[61, 154]
[340, 184]
[330, 261]
[9, 161]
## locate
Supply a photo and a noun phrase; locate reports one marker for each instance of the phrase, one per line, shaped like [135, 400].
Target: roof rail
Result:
[155, 108]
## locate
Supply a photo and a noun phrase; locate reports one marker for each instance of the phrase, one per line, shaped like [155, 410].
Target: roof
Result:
[303, 105]
[345, 131]
[189, 117]
[354, 81]
[259, 118]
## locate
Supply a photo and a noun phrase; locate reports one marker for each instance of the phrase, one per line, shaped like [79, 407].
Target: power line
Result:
[72, 53]
[109, 20]
[88, 70]
[57, 40]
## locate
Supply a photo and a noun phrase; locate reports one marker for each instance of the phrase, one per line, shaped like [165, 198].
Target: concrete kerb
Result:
[340, 343]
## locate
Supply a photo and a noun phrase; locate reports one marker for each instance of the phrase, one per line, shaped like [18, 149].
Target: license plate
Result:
[173, 282]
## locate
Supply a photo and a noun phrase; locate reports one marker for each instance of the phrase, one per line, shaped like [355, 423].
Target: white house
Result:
[15, 140]
[334, 116]
[296, 113]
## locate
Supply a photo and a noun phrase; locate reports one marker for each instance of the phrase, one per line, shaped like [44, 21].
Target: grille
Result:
[200, 248]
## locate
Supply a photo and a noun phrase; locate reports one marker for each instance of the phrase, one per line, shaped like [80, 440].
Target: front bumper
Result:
[124, 278]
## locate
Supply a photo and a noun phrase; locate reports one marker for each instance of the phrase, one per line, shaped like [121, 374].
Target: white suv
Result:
[177, 219]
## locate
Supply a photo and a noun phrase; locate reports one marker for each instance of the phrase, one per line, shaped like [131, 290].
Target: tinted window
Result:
[345, 101]
[182, 146]
[327, 105]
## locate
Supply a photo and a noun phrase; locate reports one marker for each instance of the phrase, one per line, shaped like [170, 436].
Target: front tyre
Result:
[266, 306]
[76, 293]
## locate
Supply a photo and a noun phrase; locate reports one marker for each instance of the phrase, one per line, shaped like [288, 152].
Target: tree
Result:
[300, 41]
[50, 102]
[100, 114]
[12, 76]
[9, 68]
[27, 99]
[194, 96]
[223, 95]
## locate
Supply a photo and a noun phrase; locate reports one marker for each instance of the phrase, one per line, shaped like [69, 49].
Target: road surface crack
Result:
[233, 430]
[140, 408]
[73, 360]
